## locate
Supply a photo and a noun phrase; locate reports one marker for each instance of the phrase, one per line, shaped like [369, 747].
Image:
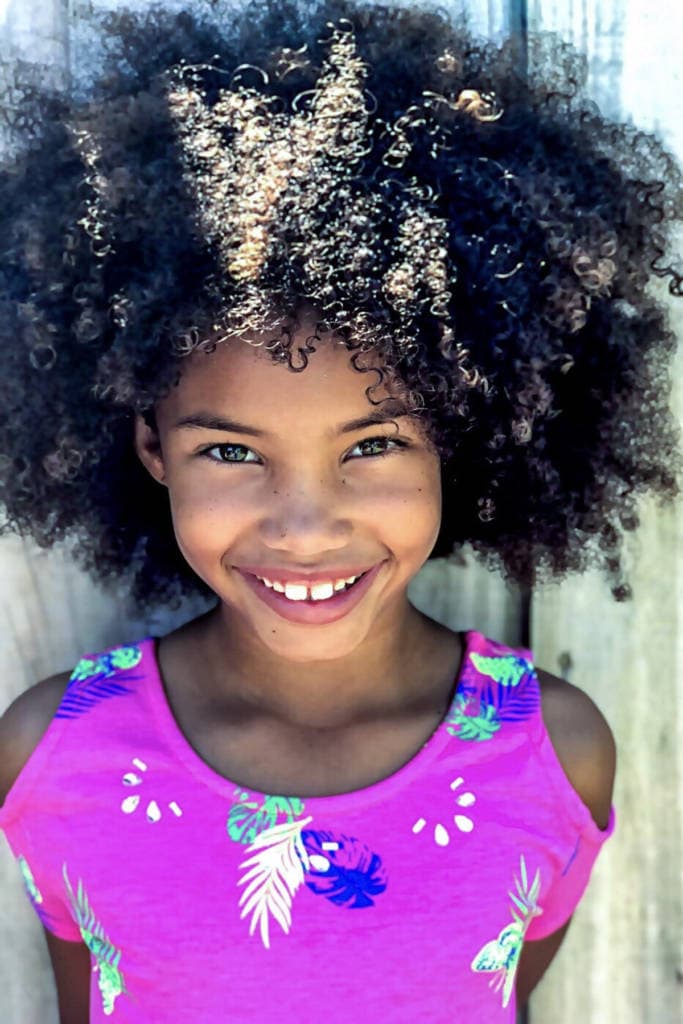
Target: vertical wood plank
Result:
[623, 957]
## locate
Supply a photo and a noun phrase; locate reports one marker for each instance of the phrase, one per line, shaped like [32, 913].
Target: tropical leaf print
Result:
[118, 659]
[124, 658]
[507, 669]
[96, 679]
[109, 978]
[276, 871]
[478, 726]
[512, 703]
[501, 956]
[34, 893]
[344, 870]
[249, 817]
[493, 690]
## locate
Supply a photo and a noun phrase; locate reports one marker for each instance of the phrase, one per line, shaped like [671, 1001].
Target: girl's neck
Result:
[404, 664]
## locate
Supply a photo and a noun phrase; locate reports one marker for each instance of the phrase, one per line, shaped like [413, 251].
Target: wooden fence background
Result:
[622, 962]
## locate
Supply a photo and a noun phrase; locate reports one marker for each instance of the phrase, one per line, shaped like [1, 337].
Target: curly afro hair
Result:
[483, 227]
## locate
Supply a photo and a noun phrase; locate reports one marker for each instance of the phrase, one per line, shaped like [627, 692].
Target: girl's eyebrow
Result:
[391, 410]
[208, 421]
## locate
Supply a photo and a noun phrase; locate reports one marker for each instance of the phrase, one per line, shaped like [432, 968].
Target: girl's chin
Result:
[297, 645]
[293, 641]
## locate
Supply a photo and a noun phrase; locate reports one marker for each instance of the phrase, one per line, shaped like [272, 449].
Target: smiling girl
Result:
[300, 302]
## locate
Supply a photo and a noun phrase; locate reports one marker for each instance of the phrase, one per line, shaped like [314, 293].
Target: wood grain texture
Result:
[623, 957]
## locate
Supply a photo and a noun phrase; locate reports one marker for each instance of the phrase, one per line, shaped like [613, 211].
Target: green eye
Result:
[378, 446]
[229, 453]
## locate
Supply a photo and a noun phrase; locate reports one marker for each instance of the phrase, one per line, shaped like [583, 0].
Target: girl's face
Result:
[279, 475]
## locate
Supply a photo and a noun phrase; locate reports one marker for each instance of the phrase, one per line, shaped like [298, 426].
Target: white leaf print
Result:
[281, 915]
[276, 871]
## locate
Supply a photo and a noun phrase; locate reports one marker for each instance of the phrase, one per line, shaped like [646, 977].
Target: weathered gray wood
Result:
[468, 597]
[40, 28]
[624, 953]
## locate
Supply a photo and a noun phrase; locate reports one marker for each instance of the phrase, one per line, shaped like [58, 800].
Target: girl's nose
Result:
[306, 518]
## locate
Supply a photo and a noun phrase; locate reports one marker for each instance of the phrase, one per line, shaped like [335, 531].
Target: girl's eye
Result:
[229, 453]
[378, 446]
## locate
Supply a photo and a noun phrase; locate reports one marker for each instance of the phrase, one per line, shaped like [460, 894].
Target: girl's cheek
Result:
[196, 510]
[418, 487]
[408, 508]
[200, 508]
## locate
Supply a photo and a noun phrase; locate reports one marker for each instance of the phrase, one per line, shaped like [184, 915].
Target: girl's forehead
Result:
[236, 374]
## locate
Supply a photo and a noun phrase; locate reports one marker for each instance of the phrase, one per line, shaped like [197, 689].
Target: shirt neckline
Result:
[182, 750]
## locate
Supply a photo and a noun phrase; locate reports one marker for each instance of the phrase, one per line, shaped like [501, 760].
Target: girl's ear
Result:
[148, 447]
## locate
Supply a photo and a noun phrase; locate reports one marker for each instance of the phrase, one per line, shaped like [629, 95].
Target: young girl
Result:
[292, 303]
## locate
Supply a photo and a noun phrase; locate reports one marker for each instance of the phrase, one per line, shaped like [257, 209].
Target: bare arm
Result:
[585, 748]
[21, 728]
[23, 724]
[71, 967]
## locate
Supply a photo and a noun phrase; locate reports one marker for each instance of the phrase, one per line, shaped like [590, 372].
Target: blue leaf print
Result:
[97, 679]
[513, 703]
[505, 684]
[342, 869]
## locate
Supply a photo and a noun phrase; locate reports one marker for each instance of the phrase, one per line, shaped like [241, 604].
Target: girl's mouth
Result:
[310, 611]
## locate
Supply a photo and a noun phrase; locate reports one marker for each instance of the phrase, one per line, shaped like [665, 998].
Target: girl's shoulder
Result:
[24, 724]
[582, 740]
[574, 735]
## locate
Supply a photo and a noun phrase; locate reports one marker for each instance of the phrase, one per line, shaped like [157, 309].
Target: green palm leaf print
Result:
[109, 978]
[249, 817]
[501, 955]
[32, 889]
[472, 727]
[506, 669]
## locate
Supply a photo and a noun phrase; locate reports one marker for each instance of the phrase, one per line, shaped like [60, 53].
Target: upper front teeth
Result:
[300, 592]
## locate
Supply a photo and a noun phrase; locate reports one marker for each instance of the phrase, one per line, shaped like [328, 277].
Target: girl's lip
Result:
[308, 578]
[314, 613]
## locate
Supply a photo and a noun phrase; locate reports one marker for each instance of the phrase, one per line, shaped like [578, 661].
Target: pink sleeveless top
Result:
[202, 901]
